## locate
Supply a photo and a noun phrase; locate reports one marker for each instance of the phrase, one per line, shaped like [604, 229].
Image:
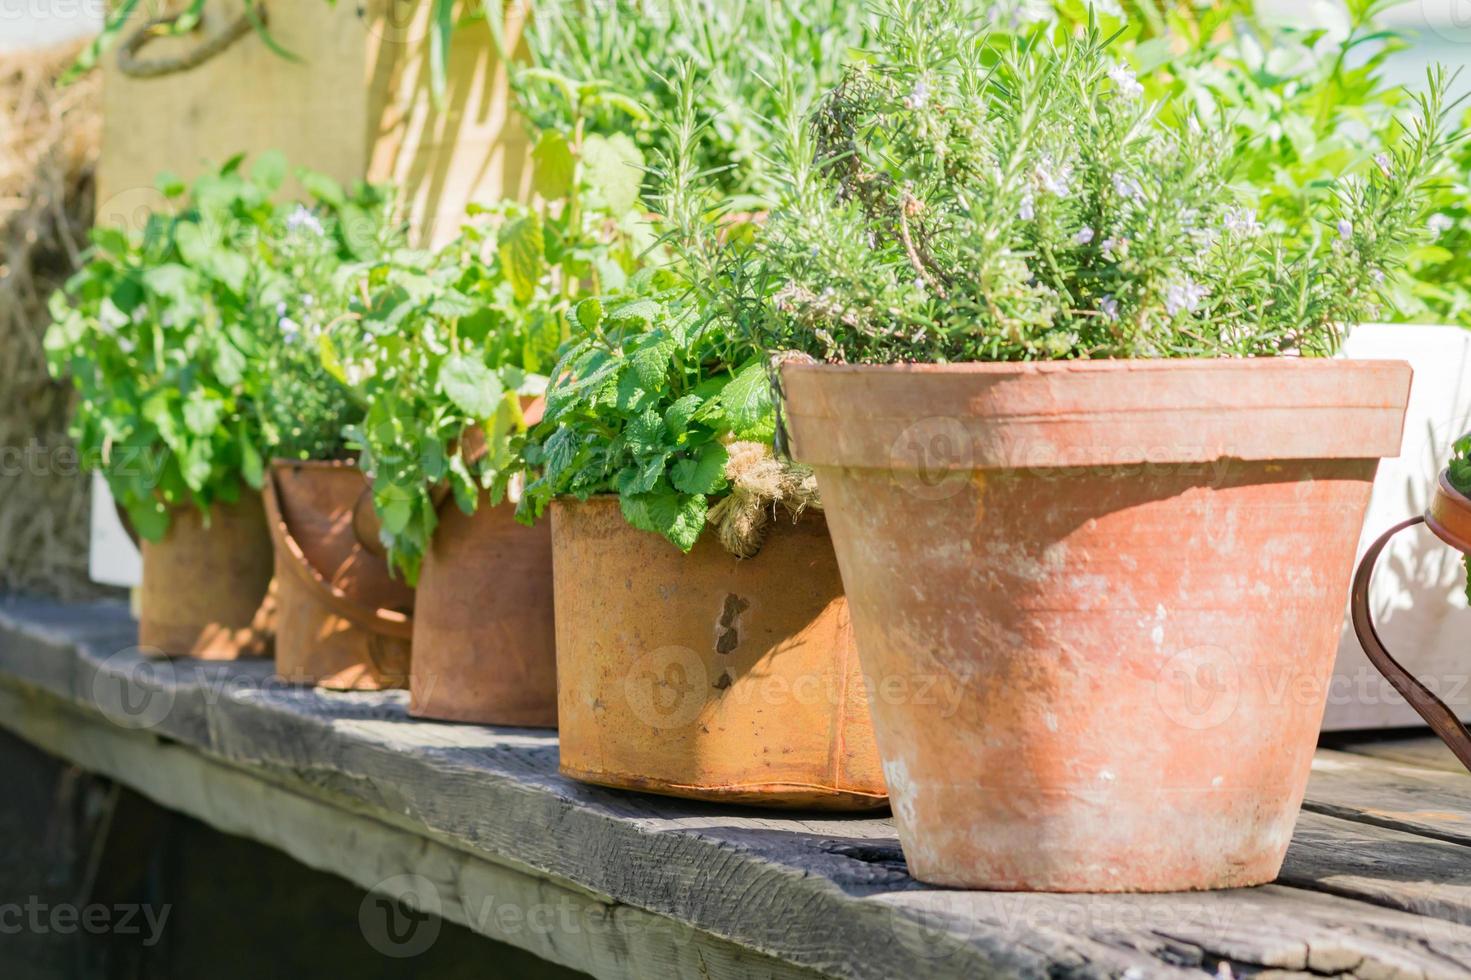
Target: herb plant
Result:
[951, 201]
[1458, 472]
[188, 340]
[655, 395]
[1306, 105]
[458, 341]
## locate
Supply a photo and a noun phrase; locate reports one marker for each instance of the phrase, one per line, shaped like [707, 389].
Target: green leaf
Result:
[270, 170]
[651, 363]
[590, 313]
[395, 509]
[748, 405]
[202, 413]
[646, 433]
[150, 518]
[612, 167]
[440, 34]
[554, 166]
[705, 474]
[171, 281]
[252, 467]
[678, 415]
[639, 311]
[474, 388]
[678, 517]
[522, 253]
[331, 362]
[322, 187]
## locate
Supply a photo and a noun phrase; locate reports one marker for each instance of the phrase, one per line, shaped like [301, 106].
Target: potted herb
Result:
[172, 334]
[1080, 450]
[344, 620]
[702, 637]
[461, 341]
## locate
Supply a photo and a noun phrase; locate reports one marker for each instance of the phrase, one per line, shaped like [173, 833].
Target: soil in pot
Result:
[204, 591]
[343, 621]
[484, 630]
[706, 676]
[1126, 579]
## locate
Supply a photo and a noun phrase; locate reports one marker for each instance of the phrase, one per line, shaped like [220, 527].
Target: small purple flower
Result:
[1127, 187]
[919, 96]
[1109, 307]
[1345, 229]
[303, 220]
[1184, 296]
[1084, 236]
[1123, 79]
[1028, 210]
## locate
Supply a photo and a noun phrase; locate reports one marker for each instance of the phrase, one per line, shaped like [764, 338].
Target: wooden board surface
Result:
[1376, 882]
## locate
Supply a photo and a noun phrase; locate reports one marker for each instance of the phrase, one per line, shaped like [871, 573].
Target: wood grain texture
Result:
[358, 788]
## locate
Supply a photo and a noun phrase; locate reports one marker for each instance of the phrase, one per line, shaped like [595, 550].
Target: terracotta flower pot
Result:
[1449, 517]
[205, 584]
[484, 631]
[1131, 574]
[343, 620]
[705, 676]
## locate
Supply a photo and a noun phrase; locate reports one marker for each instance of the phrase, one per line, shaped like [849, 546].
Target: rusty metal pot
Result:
[1448, 518]
[205, 585]
[706, 676]
[344, 622]
[484, 627]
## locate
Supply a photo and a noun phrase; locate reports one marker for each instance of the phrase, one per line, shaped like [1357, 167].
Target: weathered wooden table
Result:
[476, 823]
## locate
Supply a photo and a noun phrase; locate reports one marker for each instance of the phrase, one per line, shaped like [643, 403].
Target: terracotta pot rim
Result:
[1040, 415]
[1099, 365]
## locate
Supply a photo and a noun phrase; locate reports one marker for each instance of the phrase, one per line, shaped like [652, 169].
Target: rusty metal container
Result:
[484, 627]
[205, 584]
[705, 676]
[1449, 518]
[343, 621]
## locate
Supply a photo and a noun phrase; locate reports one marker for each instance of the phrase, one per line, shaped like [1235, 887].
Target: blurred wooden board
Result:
[355, 105]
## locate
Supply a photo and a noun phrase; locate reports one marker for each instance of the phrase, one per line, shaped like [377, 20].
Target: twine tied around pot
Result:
[759, 483]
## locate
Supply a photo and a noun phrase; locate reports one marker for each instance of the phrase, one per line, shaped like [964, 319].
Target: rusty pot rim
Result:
[1449, 514]
[282, 463]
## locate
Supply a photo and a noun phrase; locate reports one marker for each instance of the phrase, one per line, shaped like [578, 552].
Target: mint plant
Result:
[644, 407]
[453, 345]
[189, 341]
[658, 399]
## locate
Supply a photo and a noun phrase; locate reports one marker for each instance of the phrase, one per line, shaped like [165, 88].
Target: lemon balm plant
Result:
[657, 394]
[188, 339]
[1067, 407]
[191, 342]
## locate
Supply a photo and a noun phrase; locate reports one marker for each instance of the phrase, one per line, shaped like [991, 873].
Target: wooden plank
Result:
[1388, 867]
[555, 923]
[1425, 751]
[823, 894]
[1396, 795]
